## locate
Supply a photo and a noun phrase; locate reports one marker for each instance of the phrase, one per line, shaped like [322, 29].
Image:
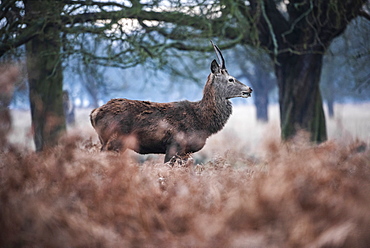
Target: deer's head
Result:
[226, 85]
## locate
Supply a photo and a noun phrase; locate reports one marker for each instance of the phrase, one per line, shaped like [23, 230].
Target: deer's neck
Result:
[214, 110]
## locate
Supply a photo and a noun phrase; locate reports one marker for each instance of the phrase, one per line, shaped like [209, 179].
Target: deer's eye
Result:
[231, 80]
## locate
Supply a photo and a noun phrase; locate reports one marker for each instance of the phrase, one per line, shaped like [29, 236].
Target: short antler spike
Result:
[219, 56]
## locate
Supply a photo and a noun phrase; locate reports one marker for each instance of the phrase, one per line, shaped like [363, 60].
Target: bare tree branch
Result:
[27, 34]
[364, 14]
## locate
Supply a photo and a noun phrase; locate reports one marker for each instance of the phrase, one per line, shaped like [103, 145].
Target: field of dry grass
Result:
[245, 189]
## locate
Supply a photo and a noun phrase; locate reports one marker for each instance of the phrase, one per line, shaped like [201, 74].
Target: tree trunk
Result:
[300, 99]
[45, 76]
[331, 107]
[261, 102]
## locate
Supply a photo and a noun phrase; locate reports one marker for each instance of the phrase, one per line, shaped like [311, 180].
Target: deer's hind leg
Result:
[103, 144]
[115, 145]
[112, 144]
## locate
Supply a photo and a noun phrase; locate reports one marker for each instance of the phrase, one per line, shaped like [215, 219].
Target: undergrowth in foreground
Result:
[298, 195]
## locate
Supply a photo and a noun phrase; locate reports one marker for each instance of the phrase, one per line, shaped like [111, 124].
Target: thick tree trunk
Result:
[300, 99]
[45, 77]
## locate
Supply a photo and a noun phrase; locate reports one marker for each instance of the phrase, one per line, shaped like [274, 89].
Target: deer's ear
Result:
[215, 68]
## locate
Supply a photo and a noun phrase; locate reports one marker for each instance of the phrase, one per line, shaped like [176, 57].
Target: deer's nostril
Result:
[250, 89]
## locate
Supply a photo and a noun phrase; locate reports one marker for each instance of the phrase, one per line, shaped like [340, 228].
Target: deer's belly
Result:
[182, 143]
[145, 149]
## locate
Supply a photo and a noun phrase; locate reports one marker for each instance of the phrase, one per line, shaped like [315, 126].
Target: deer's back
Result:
[143, 113]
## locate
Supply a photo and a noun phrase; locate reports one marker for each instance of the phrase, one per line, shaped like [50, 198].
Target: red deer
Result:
[174, 128]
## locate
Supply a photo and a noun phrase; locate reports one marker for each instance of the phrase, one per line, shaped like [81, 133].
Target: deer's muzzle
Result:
[247, 93]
